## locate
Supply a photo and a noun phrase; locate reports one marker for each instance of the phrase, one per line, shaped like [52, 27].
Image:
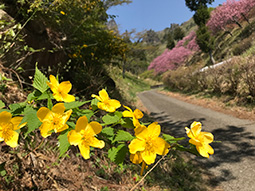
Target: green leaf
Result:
[94, 104]
[2, 169]
[63, 143]
[126, 122]
[118, 154]
[123, 136]
[49, 103]
[40, 81]
[2, 105]
[111, 118]
[17, 108]
[87, 112]
[45, 95]
[31, 118]
[108, 132]
[170, 139]
[75, 104]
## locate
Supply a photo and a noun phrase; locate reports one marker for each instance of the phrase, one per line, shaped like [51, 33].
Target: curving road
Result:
[233, 163]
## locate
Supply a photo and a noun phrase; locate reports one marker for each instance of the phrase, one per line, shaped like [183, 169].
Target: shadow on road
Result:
[232, 145]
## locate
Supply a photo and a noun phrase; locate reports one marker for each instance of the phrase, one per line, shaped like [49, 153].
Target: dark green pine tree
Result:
[194, 5]
[204, 40]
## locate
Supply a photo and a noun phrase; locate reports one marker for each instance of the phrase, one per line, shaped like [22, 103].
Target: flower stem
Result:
[143, 166]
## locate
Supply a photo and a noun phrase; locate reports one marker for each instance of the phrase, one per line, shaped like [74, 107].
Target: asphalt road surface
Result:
[233, 162]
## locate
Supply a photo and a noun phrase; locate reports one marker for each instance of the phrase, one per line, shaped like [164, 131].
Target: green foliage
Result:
[170, 42]
[31, 118]
[2, 169]
[112, 118]
[2, 104]
[204, 40]
[194, 5]
[117, 154]
[201, 15]
[74, 104]
[63, 143]
[178, 33]
[40, 80]
[123, 136]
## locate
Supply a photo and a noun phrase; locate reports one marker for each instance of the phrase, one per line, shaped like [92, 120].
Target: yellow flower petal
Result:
[127, 114]
[61, 128]
[114, 103]
[96, 96]
[97, 127]
[45, 129]
[148, 157]
[138, 114]
[85, 150]
[65, 87]
[94, 142]
[202, 151]
[139, 129]
[103, 95]
[16, 123]
[154, 130]
[206, 137]
[5, 117]
[136, 158]
[81, 124]
[12, 139]
[58, 108]
[160, 146]
[74, 138]
[68, 98]
[196, 128]
[42, 113]
[136, 145]
[53, 81]
[195, 142]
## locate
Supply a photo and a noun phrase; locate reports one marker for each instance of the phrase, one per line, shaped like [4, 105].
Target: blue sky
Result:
[152, 14]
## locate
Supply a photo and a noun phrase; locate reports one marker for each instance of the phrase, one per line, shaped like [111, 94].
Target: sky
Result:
[152, 14]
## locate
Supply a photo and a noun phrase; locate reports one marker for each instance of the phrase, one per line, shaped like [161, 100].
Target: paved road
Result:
[233, 163]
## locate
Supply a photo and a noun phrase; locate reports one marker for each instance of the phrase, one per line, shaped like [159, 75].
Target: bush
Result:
[241, 47]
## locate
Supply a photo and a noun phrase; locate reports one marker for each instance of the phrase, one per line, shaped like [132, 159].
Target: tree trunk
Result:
[245, 18]
[123, 69]
[236, 22]
[211, 57]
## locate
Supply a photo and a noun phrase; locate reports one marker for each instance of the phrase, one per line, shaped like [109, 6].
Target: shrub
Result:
[241, 47]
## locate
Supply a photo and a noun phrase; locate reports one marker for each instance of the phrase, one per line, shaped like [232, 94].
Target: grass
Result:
[130, 85]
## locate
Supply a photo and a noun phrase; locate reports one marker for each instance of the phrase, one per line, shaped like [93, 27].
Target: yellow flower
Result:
[54, 119]
[148, 144]
[60, 91]
[200, 139]
[106, 104]
[85, 46]
[84, 136]
[8, 125]
[137, 114]
[62, 12]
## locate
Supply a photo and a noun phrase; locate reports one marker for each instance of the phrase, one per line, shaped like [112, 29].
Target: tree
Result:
[230, 12]
[202, 15]
[205, 41]
[178, 33]
[194, 5]
[170, 41]
[151, 37]
[172, 59]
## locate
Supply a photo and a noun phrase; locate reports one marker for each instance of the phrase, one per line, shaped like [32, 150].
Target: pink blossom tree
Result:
[229, 12]
[172, 59]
